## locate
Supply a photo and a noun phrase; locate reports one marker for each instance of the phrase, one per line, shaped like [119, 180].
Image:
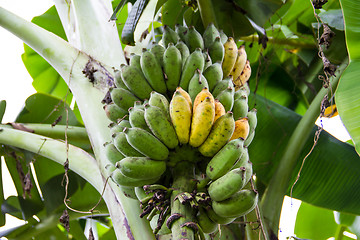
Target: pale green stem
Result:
[298, 43]
[339, 235]
[272, 200]
[70, 63]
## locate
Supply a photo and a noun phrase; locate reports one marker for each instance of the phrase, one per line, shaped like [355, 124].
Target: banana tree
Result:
[74, 52]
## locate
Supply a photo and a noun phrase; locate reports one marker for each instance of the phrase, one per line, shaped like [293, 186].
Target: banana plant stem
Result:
[272, 200]
[183, 182]
[340, 232]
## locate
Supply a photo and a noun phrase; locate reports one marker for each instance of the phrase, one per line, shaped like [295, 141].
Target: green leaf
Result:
[172, 13]
[43, 108]
[12, 206]
[314, 223]
[2, 109]
[334, 18]
[330, 174]
[45, 78]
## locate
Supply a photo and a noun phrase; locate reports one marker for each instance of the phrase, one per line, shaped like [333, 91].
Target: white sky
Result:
[15, 87]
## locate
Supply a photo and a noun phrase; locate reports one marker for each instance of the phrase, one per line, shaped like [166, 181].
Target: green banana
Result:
[128, 192]
[209, 35]
[223, 36]
[223, 161]
[112, 154]
[251, 115]
[241, 93]
[135, 61]
[160, 101]
[226, 97]
[141, 167]
[216, 218]
[193, 39]
[136, 82]
[160, 126]
[158, 51]
[245, 163]
[146, 143]
[184, 50]
[169, 36]
[207, 60]
[206, 224]
[181, 31]
[142, 196]
[249, 139]
[237, 205]
[240, 108]
[139, 105]
[172, 67]
[197, 83]
[137, 118]
[118, 81]
[122, 180]
[213, 75]
[152, 70]
[222, 85]
[227, 185]
[119, 126]
[123, 98]
[219, 135]
[216, 50]
[124, 147]
[114, 112]
[193, 62]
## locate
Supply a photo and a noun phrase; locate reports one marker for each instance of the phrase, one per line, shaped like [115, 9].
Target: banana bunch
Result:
[184, 100]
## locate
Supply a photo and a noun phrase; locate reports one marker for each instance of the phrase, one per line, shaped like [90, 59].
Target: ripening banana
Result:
[186, 95]
[219, 109]
[209, 35]
[112, 154]
[227, 185]
[184, 50]
[160, 126]
[180, 114]
[244, 76]
[196, 84]
[158, 51]
[230, 56]
[145, 143]
[226, 97]
[201, 97]
[242, 129]
[152, 70]
[193, 62]
[123, 98]
[135, 81]
[169, 36]
[193, 39]
[114, 112]
[122, 180]
[241, 107]
[222, 85]
[172, 67]
[124, 147]
[223, 161]
[240, 63]
[137, 118]
[213, 74]
[206, 224]
[239, 204]
[219, 135]
[141, 167]
[181, 31]
[216, 50]
[202, 121]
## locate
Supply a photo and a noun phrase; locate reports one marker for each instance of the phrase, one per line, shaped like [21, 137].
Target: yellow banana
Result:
[180, 114]
[240, 62]
[242, 129]
[185, 95]
[230, 56]
[219, 109]
[244, 76]
[219, 135]
[202, 121]
[202, 96]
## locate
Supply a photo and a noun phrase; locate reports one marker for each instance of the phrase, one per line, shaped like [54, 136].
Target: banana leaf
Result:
[331, 173]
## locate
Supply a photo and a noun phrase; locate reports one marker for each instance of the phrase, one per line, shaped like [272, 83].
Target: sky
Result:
[15, 87]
